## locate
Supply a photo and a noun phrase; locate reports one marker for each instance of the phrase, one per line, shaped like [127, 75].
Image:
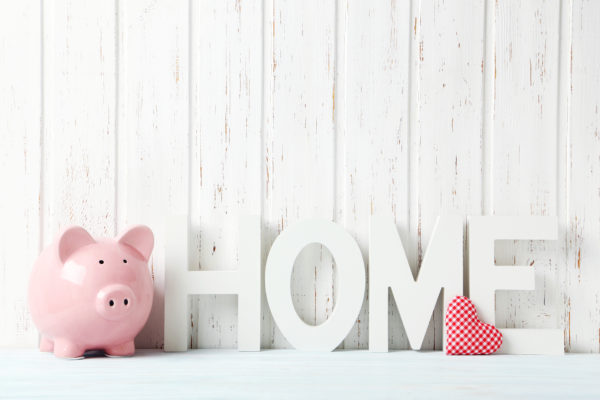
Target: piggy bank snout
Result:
[115, 302]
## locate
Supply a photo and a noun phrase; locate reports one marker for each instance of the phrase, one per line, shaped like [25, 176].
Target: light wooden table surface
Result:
[283, 374]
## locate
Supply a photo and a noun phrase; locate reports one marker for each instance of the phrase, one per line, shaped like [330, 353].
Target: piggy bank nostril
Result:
[116, 302]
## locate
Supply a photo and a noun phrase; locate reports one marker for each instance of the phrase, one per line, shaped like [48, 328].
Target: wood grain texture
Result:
[373, 146]
[20, 163]
[447, 127]
[79, 117]
[524, 171]
[124, 112]
[299, 144]
[152, 167]
[225, 149]
[582, 277]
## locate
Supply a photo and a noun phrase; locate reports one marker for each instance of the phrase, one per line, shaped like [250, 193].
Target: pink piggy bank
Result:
[87, 294]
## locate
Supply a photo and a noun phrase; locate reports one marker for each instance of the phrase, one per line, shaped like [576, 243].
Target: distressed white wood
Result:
[230, 107]
[299, 143]
[292, 374]
[524, 140]
[446, 127]
[152, 139]
[79, 97]
[582, 277]
[225, 150]
[20, 163]
[372, 115]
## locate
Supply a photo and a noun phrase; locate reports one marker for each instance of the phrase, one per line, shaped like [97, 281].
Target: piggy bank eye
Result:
[124, 261]
[101, 262]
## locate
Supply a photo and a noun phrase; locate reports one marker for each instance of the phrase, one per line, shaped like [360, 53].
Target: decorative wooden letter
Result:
[180, 283]
[350, 274]
[442, 268]
[485, 277]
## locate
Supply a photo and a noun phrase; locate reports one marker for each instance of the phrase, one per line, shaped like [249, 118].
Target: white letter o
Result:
[351, 284]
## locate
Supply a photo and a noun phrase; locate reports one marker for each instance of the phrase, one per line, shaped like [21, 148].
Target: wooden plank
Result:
[447, 130]
[368, 107]
[299, 142]
[372, 151]
[524, 172]
[153, 131]
[289, 374]
[582, 296]
[226, 93]
[20, 162]
[79, 117]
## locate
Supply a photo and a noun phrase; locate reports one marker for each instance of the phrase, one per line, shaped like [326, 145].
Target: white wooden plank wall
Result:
[123, 112]
[20, 162]
[373, 145]
[524, 139]
[152, 99]
[225, 149]
[581, 289]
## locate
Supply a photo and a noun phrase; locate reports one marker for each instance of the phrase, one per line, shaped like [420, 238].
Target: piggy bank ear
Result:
[72, 239]
[140, 238]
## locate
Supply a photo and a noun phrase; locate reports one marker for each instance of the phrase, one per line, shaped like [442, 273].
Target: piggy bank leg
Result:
[46, 344]
[67, 349]
[124, 349]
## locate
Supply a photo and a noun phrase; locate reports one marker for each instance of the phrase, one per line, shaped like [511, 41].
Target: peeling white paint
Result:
[114, 113]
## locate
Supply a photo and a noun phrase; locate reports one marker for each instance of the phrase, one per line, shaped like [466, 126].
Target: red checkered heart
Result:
[466, 334]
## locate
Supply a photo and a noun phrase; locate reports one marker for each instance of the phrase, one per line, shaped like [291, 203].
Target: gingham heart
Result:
[466, 334]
